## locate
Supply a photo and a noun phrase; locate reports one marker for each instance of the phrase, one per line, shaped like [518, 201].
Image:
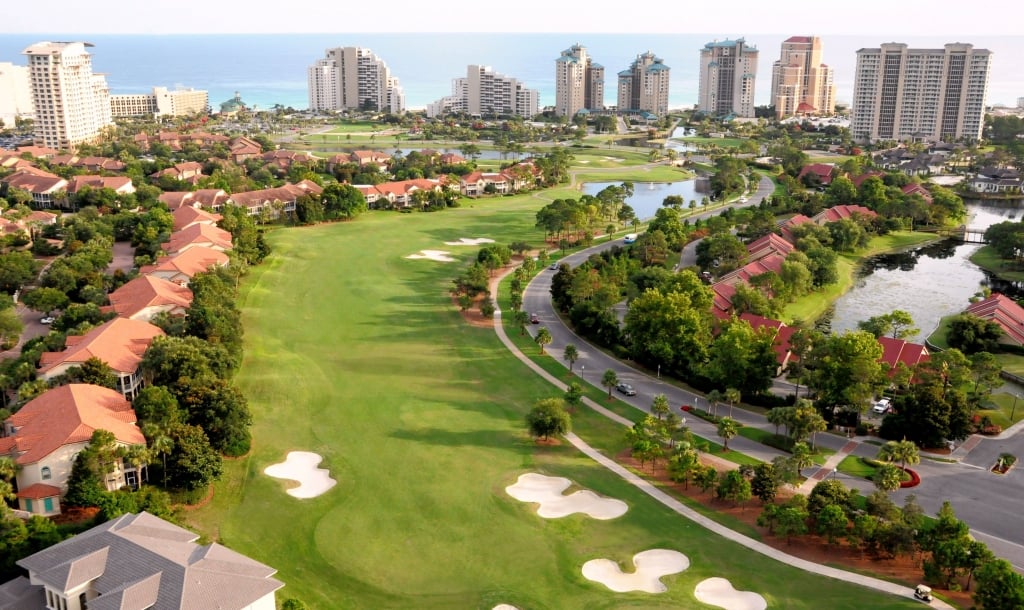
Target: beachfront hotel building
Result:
[353, 78]
[161, 102]
[579, 82]
[930, 95]
[801, 83]
[71, 104]
[15, 93]
[644, 86]
[728, 73]
[484, 92]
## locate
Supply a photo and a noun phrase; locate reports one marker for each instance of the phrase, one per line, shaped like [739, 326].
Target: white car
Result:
[46, 320]
[629, 238]
[882, 407]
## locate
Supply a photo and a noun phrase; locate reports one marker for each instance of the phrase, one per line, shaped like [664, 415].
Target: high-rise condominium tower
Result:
[485, 92]
[71, 104]
[579, 82]
[353, 78]
[728, 71]
[921, 94]
[15, 93]
[801, 84]
[644, 86]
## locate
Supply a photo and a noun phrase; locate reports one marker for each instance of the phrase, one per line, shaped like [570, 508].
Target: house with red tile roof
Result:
[452, 159]
[369, 157]
[273, 201]
[211, 199]
[781, 335]
[768, 244]
[824, 171]
[897, 351]
[120, 343]
[96, 164]
[916, 189]
[182, 268]
[190, 172]
[47, 190]
[721, 303]
[186, 216]
[284, 159]
[841, 212]
[396, 194]
[770, 262]
[474, 183]
[198, 235]
[859, 180]
[139, 561]
[786, 226]
[149, 295]
[44, 437]
[122, 185]
[10, 159]
[39, 152]
[1005, 312]
[242, 149]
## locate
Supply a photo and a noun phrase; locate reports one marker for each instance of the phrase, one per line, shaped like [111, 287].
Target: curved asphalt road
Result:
[989, 503]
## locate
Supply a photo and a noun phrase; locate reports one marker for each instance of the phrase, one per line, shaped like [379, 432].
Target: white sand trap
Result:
[720, 592]
[504, 607]
[434, 255]
[470, 241]
[301, 466]
[650, 567]
[547, 491]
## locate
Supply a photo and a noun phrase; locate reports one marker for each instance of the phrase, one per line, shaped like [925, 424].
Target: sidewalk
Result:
[828, 467]
[649, 488]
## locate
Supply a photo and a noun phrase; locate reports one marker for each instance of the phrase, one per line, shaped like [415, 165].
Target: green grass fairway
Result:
[355, 352]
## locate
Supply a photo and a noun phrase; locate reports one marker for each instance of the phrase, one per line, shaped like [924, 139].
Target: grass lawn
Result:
[986, 258]
[1001, 407]
[355, 352]
[938, 338]
[357, 127]
[855, 466]
[730, 142]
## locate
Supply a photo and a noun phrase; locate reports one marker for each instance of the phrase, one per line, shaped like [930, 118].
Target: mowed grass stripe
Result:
[356, 353]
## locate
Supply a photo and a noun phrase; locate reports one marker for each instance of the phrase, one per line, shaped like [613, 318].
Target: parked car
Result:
[630, 238]
[46, 320]
[626, 389]
[882, 407]
[553, 267]
[534, 318]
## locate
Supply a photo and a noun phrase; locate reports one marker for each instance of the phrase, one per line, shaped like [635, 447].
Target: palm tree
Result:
[543, 338]
[138, 456]
[905, 452]
[728, 428]
[714, 397]
[570, 354]
[660, 406]
[801, 456]
[887, 478]
[610, 379]
[160, 443]
[732, 396]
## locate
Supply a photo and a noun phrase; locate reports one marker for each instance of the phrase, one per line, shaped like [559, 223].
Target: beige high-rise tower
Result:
[644, 86]
[71, 104]
[353, 78]
[901, 93]
[579, 82]
[728, 73]
[801, 83]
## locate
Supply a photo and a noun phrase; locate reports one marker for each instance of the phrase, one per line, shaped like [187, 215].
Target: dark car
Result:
[626, 389]
[534, 318]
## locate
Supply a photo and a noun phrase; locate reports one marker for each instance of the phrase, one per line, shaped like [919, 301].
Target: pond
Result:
[929, 282]
[648, 196]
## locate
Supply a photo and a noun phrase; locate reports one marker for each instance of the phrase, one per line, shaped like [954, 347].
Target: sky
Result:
[895, 17]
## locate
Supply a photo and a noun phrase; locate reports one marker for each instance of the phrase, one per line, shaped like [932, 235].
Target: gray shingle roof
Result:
[141, 561]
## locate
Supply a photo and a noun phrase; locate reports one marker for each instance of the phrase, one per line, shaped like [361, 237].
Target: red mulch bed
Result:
[813, 548]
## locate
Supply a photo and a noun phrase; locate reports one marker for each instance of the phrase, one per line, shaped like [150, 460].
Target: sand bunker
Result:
[720, 592]
[469, 241]
[547, 491]
[650, 567]
[301, 466]
[504, 607]
[434, 255]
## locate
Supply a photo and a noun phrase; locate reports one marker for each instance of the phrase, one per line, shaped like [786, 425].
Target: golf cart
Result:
[923, 593]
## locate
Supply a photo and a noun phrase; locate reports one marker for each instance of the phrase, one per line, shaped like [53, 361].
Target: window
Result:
[44, 472]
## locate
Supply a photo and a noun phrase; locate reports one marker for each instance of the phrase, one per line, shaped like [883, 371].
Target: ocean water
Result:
[270, 69]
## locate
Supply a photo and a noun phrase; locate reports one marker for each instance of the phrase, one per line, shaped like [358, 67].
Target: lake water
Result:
[929, 282]
[648, 196]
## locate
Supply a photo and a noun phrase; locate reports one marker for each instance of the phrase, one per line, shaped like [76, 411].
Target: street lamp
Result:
[1014, 409]
[833, 473]
[659, 377]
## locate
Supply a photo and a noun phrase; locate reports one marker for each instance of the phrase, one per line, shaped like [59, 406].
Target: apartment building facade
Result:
[579, 82]
[728, 75]
[644, 85]
[71, 104]
[901, 93]
[15, 93]
[160, 102]
[353, 78]
[801, 83]
[484, 92]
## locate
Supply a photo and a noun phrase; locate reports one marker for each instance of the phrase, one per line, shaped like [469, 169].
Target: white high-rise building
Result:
[728, 73]
[901, 93]
[70, 103]
[644, 86]
[15, 93]
[353, 78]
[161, 102]
[486, 92]
[579, 82]
[801, 83]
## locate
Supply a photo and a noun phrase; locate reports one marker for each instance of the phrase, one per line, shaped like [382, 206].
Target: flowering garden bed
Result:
[915, 479]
